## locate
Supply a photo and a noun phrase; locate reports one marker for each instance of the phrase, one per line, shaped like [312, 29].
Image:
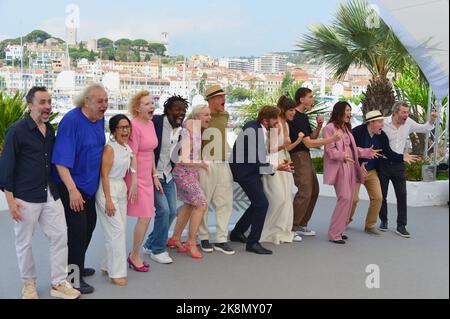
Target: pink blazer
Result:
[333, 157]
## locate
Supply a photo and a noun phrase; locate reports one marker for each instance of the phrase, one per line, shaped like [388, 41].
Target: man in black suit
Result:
[248, 163]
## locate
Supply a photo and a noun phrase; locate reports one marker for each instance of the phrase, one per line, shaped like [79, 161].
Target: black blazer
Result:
[381, 141]
[248, 159]
[158, 122]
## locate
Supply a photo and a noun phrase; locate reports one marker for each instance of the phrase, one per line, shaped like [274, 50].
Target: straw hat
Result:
[213, 91]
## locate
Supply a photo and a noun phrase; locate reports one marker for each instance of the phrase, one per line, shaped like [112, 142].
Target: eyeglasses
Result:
[125, 127]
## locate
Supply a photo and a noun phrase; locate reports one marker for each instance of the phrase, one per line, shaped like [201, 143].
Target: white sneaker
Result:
[303, 231]
[297, 238]
[29, 290]
[146, 251]
[64, 291]
[162, 258]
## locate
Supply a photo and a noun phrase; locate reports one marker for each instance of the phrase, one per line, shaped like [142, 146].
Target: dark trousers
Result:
[80, 226]
[395, 172]
[255, 214]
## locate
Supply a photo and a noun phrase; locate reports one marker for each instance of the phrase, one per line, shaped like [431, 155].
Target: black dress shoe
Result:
[85, 288]
[88, 272]
[240, 238]
[258, 249]
[344, 237]
[340, 242]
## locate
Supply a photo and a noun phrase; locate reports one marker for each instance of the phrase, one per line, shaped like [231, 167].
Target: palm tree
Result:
[352, 39]
[12, 109]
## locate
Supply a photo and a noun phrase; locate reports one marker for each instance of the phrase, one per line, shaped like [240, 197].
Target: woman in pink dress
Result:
[142, 141]
[186, 176]
[341, 168]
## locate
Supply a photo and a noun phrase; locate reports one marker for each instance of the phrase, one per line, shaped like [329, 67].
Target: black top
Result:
[158, 122]
[300, 123]
[363, 139]
[25, 162]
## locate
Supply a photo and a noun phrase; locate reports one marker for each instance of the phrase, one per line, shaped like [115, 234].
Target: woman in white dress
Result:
[111, 197]
[278, 187]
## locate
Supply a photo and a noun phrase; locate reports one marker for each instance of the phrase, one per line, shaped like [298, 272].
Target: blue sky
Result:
[216, 28]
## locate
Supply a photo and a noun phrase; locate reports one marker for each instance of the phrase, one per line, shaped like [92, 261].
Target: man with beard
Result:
[248, 163]
[32, 196]
[168, 129]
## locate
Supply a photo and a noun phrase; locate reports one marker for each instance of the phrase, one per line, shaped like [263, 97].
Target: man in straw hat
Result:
[217, 183]
[367, 135]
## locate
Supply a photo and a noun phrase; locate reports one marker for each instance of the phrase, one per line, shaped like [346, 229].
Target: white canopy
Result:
[422, 26]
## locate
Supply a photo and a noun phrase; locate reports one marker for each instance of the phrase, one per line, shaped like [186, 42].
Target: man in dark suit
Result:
[168, 128]
[248, 163]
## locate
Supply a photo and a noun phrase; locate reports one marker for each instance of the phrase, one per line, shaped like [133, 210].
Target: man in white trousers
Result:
[217, 182]
[32, 196]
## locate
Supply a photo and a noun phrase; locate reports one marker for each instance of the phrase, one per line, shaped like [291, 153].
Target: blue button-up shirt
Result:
[25, 168]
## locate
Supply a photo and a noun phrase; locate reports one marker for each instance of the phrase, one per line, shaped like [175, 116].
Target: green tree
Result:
[351, 40]
[123, 42]
[92, 56]
[136, 56]
[105, 43]
[201, 84]
[157, 48]
[411, 88]
[109, 54]
[287, 81]
[12, 109]
[38, 36]
[139, 43]
[240, 94]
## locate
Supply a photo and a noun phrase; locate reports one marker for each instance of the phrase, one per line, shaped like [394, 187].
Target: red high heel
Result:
[142, 268]
[171, 243]
[192, 250]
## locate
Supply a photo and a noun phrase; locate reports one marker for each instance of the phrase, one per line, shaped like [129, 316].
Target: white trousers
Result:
[50, 216]
[114, 228]
[217, 184]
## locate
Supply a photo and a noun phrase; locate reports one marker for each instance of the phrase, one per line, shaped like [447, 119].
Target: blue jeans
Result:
[165, 213]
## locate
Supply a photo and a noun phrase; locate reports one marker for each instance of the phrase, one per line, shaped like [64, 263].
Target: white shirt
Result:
[399, 136]
[269, 170]
[168, 142]
[122, 160]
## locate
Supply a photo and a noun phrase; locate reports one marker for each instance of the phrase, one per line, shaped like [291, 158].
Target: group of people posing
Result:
[152, 161]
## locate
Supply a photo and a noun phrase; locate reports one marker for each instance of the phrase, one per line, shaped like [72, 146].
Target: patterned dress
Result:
[187, 178]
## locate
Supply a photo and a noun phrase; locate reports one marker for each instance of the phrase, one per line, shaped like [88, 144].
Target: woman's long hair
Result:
[338, 114]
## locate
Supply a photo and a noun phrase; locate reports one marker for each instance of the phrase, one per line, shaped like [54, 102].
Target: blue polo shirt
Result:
[79, 147]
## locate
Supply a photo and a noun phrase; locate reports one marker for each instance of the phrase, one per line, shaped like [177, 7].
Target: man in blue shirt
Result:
[370, 134]
[32, 195]
[77, 156]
